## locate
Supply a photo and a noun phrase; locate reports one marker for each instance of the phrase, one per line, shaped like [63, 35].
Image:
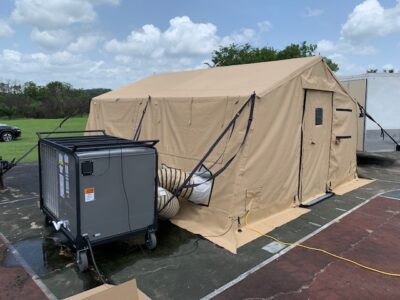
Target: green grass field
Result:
[29, 127]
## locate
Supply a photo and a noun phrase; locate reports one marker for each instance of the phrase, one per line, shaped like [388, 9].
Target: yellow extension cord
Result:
[320, 250]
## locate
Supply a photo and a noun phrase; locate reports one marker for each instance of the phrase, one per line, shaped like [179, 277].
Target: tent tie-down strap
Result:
[250, 102]
[139, 127]
[363, 113]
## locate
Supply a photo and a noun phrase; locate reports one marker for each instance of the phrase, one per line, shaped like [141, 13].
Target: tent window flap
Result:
[319, 113]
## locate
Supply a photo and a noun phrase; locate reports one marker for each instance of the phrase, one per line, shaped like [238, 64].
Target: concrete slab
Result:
[273, 247]
[184, 266]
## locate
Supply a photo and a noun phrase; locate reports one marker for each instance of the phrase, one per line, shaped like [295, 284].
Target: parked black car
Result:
[8, 132]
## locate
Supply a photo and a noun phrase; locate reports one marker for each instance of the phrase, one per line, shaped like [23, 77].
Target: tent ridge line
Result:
[341, 86]
[292, 75]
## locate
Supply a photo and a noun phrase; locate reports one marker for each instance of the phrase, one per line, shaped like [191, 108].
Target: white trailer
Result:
[379, 93]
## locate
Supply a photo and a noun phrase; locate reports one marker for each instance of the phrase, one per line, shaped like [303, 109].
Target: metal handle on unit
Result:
[47, 133]
[127, 144]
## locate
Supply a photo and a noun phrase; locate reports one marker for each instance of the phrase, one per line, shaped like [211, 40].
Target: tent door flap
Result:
[317, 132]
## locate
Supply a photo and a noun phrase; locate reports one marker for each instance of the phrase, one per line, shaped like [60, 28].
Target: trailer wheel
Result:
[151, 240]
[47, 221]
[82, 261]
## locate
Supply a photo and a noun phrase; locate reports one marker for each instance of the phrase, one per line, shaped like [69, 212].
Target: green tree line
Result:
[246, 54]
[54, 100]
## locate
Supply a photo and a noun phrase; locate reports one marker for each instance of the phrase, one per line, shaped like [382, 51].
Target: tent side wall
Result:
[269, 179]
[358, 89]
[186, 129]
[269, 176]
[116, 116]
[343, 162]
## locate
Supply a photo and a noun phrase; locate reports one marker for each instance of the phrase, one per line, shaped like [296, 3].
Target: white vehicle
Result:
[379, 93]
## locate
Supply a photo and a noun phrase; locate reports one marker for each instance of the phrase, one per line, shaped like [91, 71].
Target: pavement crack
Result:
[158, 269]
[304, 286]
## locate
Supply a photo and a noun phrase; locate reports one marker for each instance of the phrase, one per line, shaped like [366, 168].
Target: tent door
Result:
[317, 132]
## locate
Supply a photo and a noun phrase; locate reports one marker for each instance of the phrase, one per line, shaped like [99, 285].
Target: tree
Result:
[246, 54]
[54, 100]
[333, 66]
[372, 70]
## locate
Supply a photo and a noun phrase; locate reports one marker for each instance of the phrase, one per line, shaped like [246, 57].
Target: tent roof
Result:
[238, 80]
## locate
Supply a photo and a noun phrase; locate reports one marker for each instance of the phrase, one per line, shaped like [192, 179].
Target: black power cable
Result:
[103, 280]
[124, 188]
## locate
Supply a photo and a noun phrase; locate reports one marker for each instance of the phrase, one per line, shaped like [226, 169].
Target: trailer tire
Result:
[47, 221]
[151, 240]
[82, 261]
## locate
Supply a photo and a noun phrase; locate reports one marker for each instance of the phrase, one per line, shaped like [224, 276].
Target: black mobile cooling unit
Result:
[98, 188]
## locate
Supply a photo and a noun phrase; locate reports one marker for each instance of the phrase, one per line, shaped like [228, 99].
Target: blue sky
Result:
[108, 43]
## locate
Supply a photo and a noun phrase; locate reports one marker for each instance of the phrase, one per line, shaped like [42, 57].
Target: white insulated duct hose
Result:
[171, 179]
[200, 193]
[171, 209]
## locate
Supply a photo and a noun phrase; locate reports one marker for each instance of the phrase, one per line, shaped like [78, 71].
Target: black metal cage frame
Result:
[77, 144]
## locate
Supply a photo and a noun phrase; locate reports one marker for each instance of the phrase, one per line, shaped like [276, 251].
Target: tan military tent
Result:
[302, 142]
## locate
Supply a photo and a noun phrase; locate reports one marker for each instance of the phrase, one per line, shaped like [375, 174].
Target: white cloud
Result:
[5, 29]
[313, 12]
[44, 67]
[11, 55]
[243, 36]
[367, 21]
[50, 21]
[183, 45]
[50, 39]
[84, 43]
[140, 42]
[50, 15]
[340, 51]
[346, 65]
[182, 38]
[64, 66]
[56, 14]
[112, 2]
[63, 58]
[264, 26]
[123, 59]
[326, 46]
[343, 46]
[370, 19]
